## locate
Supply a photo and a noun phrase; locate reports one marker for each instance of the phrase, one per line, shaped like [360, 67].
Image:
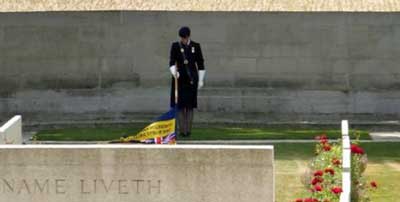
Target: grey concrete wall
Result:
[204, 5]
[136, 173]
[263, 67]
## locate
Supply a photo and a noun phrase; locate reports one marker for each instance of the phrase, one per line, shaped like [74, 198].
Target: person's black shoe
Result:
[188, 134]
[182, 135]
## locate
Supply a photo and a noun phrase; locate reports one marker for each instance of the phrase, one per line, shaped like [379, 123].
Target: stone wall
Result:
[202, 5]
[261, 67]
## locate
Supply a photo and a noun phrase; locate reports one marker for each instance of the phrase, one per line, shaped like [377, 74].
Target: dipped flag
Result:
[161, 131]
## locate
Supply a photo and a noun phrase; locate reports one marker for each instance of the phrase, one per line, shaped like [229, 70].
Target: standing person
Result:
[187, 66]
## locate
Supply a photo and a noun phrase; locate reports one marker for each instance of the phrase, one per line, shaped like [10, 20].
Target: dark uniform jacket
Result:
[188, 74]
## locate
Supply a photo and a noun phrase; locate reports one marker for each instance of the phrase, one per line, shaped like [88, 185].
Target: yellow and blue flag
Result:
[161, 131]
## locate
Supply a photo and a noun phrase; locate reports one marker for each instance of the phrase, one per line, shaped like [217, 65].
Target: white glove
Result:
[173, 71]
[202, 73]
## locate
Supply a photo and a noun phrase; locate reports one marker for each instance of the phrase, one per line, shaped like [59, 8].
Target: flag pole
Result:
[176, 85]
[176, 91]
[176, 97]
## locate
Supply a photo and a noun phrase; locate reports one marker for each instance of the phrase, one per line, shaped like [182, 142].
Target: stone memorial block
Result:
[11, 132]
[136, 173]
